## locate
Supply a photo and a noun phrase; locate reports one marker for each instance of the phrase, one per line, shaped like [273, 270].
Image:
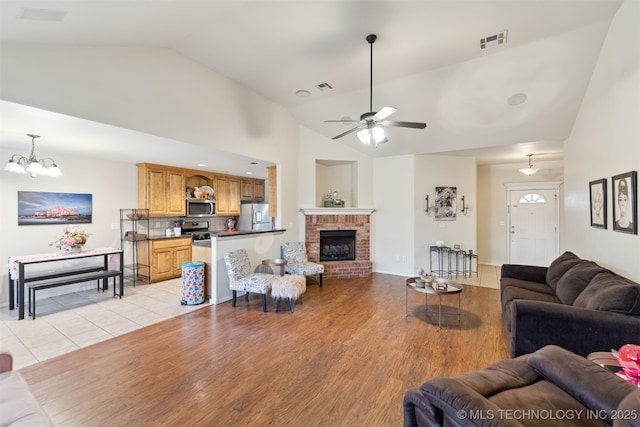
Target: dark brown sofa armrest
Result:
[585, 381]
[6, 362]
[419, 412]
[460, 400]
[524, 272]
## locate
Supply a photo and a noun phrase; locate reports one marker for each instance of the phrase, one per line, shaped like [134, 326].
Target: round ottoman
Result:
[290, 288]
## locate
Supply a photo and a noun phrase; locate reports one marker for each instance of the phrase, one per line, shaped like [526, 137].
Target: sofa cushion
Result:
[576, 279]
[610, 292]
[559, 267]
[510, 293]
[543, 288]
[18, 407]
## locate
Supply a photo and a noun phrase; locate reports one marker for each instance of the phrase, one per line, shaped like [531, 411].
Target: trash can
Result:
[192, 283]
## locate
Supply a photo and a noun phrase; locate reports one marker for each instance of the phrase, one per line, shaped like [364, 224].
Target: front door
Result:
[533, 225]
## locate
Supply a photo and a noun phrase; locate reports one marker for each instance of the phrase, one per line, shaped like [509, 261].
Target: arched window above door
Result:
[532, 198]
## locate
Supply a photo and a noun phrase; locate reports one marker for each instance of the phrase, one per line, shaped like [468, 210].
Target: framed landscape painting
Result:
[625, 202]
[598, 199]
[35, 207]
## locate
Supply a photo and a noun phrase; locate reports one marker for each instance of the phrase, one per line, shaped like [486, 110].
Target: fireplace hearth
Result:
[337, 245]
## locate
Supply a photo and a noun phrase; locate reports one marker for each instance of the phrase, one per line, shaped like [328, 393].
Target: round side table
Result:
[275, 262]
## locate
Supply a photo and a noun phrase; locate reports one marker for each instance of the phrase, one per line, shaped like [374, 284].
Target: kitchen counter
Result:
[220, 235]
[259, 245]
[162, 237]
[225, 233]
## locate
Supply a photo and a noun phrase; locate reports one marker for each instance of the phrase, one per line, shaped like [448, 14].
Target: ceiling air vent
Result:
[324, 86]
[494, 40]
[41, 14]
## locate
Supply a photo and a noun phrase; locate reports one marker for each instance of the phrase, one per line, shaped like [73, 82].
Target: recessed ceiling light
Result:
[517, 99]
[41, 14]
[254, 163]
[249, 173]
[303, 93]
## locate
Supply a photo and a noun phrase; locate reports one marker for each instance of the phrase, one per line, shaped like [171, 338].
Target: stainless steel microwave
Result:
[201, 208]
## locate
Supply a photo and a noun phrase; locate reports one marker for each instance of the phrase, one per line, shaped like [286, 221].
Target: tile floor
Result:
[71, 321]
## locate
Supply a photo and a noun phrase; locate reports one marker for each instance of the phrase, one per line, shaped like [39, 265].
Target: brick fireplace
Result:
[323, 219]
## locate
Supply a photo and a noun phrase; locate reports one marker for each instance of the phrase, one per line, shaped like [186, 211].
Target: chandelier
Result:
[31, 165]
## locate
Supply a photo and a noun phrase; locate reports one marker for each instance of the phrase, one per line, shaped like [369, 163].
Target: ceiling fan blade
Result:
[414, 125]
[384, 113]
[347, 132]
[342, 121]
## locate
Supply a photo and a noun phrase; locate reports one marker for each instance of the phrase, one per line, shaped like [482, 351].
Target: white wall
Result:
[442, 171]
[605, 141]
[402, 232]
[312, 147]
[492, 203]
[392, 224]
[113, 186]
[159, 92]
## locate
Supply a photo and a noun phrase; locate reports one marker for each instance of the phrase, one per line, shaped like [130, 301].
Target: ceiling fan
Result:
[371, 123]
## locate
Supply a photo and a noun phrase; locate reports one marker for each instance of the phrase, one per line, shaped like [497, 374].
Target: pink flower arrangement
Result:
[70, 239]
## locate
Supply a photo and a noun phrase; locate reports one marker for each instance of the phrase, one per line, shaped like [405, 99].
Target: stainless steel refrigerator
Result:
[255, 216]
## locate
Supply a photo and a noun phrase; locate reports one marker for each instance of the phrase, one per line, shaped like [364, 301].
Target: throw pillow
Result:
[610, 292]
[559, 266]
[576, 279]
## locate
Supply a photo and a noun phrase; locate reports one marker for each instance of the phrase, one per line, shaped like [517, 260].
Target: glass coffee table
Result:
[453, 288]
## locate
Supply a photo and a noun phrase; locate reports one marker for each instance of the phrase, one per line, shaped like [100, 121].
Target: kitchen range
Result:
[199, 230]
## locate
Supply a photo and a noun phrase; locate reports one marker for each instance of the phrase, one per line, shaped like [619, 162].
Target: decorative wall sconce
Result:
[464, 208]
[429, 208]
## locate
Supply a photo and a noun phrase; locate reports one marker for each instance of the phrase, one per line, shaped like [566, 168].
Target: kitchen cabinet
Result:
[252, 190]
[227, 194]
[272, 174]
[161, 190]
[167, 256]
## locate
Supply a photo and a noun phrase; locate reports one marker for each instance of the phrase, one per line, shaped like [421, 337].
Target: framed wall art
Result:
[35, 208]
[625, 202]
[446, 203]
[598, 199]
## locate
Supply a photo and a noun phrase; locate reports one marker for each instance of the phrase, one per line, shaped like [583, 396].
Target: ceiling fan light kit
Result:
[370, 130]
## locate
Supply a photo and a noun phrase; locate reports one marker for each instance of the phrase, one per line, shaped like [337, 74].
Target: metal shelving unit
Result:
[134, 241]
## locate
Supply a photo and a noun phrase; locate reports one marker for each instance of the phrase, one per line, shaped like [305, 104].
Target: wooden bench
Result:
[70, 277]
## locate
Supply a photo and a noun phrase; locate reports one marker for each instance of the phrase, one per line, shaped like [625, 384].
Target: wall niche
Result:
[337, 176]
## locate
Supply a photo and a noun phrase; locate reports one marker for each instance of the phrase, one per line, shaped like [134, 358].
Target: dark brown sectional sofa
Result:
[551, 387]
[574, 303]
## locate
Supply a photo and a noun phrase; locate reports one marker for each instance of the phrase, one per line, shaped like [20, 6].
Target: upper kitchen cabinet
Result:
[227, 194]
[161, 189]
[196, 179]
[252, 189]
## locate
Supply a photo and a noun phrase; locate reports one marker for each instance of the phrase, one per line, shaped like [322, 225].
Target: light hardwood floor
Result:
[345, 357]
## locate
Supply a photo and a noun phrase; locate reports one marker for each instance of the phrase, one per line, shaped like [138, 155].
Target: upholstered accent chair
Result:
[295, 253]
[241, 277]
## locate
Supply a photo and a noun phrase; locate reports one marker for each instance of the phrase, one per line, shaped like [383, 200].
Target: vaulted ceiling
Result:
[427, 61]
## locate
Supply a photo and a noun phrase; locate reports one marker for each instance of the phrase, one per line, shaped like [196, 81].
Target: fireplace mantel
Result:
[337, 211]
